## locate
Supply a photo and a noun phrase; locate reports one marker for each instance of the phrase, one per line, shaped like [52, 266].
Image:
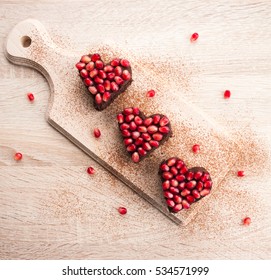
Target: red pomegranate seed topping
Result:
[157, 136]
[154, 143]
[118, 71]
[90, 66]
[194, 37]
[101, 74]
[177, 208]
[80, 65]
[110, 76]
[132, 126]
[93, 73]
[148, 121]
[164, 129]
[141, 151]
[115, 62]
[146, 146]
[247, 221]
[85, 59]
[84, 73]
[18, 156]
[88, 82]
[196, 148]
[99, 64]
[122, 210]
[30, 96]
[124, 126]
[128, 141]
[92, 90]
[114, 86]
[107, 85]
[126, 75]
[118, 80]
[241, 173]
[131, 148]
[101, 88]
[106, 96]
[125, 63]
[164, 121]
[138, 120]
[187, 186]
[97, 132]
[151, 93]
[95, 57]
[170, 203]
[142, 128]
[227, 94]
[152, 129]
[90, 170]
[135, 157]
[120, 118]
[156, 119]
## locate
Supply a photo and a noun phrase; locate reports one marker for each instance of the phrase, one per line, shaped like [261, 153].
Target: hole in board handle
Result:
[26, 41]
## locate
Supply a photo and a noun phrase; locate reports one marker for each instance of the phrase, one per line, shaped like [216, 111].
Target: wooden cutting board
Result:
[70, 111]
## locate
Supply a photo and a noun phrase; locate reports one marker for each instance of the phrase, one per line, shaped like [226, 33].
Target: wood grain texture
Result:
[47, 200]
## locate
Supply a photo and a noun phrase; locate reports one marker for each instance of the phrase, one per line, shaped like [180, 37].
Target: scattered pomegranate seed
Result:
[18, 156]
[151, 93]
[122, 210]
[95, 57]
[97, 132]
[90, 170]
[227, 94]
[247, 221]
[241, 173]
[30, 96]
[196, 148]
[194, 37]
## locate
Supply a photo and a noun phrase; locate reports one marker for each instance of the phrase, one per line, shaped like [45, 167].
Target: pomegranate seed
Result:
[110, 76]
[131, 148]
[185, 204]
[90, 66]
[18, 156]
[190, 199]
[93, 73]
[227, 94]
[152, 129]
[118, 71]
[136, 111]
[30, 96]
[114, 86]
[95, 57]
[141, 151]
[128, 111]
[139, 141]
[194, 37]
[177, 208]
[174, 183]
[84, 73]
[164, 121]
[183, 170]
[167, 175]
[90, 170]
[99, 64]
[154, 144]
[118, 80]
[85, 59]
[191, 184]
[182, 186]
[177, 199]
[126, 133]
[204, 192]
[146, 146]
[108, 68]
[135, 134]
[80, 65]
[157, 136]
[205, 177]
[107, 85]
[146, 136]
[189, 175]
[115, 62]
[122, 210]
[156, 119]
[208, 184]
[148, 121]
[88, 82]
[126, 75]
[247, 221]
[241, 173]
[97, 132]
[129, 118]
[180, 178]
[133, 126]
[151, 93]
[164, 167]
[125, 63]
[98, 98]
[196, 194]
[164, 129]
[179, 164]
[106, 96]
[92, 90]
[170, 203]
[124, 126]
[128, 141]
[142, 129]
[196, 148]
[171, 162]
[135, 157]
[98, 80]
[120, 118]
[166, 185]
[138, 120]
[168, 194]
[185, 192]
[199, 186]
[100, 88]
[101, 74]
[197, 175]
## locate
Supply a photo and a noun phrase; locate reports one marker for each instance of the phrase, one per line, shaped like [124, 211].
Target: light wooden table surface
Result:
[46, 200]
